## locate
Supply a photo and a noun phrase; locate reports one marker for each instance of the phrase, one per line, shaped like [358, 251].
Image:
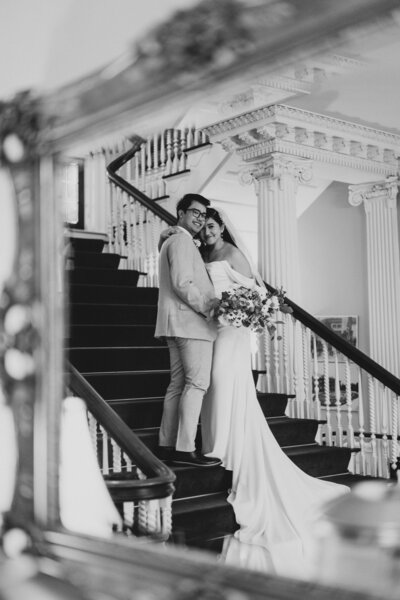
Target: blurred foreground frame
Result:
[212, 46]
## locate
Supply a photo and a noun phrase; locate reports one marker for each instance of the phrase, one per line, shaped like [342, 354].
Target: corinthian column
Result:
[277, 178]
[380, 205]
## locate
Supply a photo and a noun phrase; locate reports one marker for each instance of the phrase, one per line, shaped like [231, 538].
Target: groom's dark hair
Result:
[185, 202]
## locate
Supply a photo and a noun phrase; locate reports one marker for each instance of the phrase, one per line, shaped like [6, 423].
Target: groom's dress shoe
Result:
[193, 459]
[210, 459]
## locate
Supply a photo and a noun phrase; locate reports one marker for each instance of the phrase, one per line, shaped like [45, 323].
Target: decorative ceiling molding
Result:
[298, 78]
[277, 166]
[301, 133]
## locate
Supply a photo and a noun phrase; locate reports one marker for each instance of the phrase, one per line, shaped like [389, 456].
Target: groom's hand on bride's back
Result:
[166, 233]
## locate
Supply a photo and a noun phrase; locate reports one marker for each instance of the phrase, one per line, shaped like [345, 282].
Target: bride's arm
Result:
[165, 234]
[239, 262]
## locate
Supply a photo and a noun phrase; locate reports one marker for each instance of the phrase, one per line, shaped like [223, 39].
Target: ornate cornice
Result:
[277, 166]
[369, 192]
[301, 133]
[298, 78]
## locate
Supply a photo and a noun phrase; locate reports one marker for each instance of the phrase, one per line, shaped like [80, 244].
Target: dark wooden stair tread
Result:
[316, 449]
[205, 502]
[113, 310]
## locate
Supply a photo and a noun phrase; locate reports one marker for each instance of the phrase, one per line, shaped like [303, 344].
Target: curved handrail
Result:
[119, 162]
[353, 353]
[343, 346]
[161, 478]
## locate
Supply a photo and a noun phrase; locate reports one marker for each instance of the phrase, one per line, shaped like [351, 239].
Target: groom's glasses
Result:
[198, 214]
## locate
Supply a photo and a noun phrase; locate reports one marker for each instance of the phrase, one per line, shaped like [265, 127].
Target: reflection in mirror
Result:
[317, 392]
[322, 416]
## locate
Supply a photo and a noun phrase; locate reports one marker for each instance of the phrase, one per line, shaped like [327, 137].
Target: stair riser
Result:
[112, 336]
[130, 386]
[273, 406]
[195, 481]
[138, 415]
[142, 414]
[193, 524]
[286, 434]
[113, 314]
[323, 464]
[137, 359]
[96, 260]
[103, 277]
[87, 245]
[113, 295]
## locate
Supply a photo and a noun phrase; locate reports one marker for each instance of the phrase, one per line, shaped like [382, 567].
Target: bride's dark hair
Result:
[212, 213]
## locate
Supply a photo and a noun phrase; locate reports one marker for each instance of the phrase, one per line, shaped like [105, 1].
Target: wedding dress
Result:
[274, 501]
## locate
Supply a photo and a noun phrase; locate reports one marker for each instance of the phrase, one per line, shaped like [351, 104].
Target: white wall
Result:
[332, 249]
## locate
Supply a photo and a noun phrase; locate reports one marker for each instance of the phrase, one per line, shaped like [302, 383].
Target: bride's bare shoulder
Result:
[237, 260]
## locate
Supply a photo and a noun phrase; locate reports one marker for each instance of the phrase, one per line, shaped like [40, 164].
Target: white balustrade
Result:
[154, 517]
[354, 409]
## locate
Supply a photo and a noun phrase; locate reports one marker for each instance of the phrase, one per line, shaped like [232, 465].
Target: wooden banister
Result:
[160, 478]
[343, 346]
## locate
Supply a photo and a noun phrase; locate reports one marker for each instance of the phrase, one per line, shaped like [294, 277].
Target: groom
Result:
[186, 297]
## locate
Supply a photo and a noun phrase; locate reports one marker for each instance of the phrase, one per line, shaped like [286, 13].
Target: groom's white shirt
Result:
[186, 293]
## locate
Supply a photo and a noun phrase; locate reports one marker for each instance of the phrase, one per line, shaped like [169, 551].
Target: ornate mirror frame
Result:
[33, 132]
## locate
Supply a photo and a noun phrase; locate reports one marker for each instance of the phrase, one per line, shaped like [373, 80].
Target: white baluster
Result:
[128, 511]
[296, 381]
[149, 169]
[168, 163]
[116, 457]
[394, 431]
[129, 240]
[361, 424]
[189, 137]
[175, 151]
[385, 429]
[105, 466]
[317, 402]
[286, 367]
[128, 463]
[143, 166]
[120, 223]
[196, 137]
[136, 181]
[267, 353]
[183, 157]
[327, 393]
[372, 421]
[163, 152]
[93, 430]
[338, 400]
[114, 219]
[166, 515]
[349, 405]
[275, 353]
[306, 382]
[108, 210]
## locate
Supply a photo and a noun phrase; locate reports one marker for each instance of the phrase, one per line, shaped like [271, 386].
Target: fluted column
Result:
[380, 203]
[277, 178]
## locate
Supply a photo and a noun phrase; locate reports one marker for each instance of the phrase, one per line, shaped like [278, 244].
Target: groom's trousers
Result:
[190, 362]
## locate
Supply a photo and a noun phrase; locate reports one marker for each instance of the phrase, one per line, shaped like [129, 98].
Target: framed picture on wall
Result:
[344, 325]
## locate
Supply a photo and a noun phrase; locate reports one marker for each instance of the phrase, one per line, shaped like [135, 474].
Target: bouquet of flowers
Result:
[252, 308]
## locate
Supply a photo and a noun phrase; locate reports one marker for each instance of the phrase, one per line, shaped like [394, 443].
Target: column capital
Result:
[376, 191]
[275, 166]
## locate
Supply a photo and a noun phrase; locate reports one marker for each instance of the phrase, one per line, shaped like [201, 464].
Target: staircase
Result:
[111, 343]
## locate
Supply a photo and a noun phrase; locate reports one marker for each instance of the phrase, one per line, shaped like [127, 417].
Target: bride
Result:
[274, 501]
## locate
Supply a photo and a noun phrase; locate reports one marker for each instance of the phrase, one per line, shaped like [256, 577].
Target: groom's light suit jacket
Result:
[186, 293]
